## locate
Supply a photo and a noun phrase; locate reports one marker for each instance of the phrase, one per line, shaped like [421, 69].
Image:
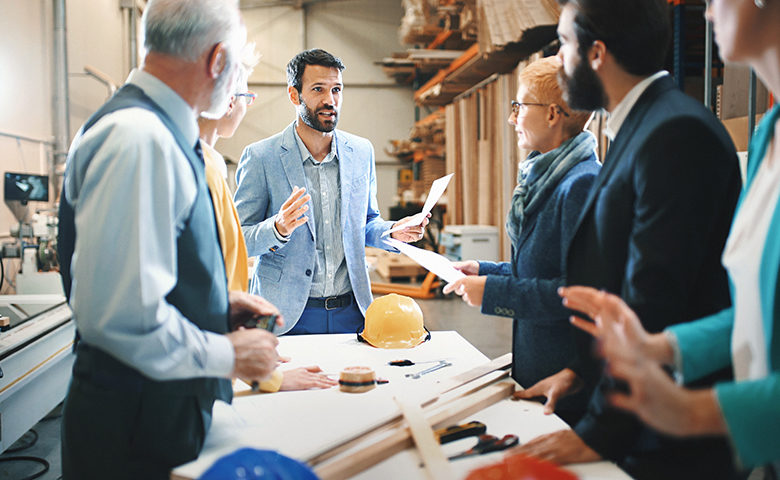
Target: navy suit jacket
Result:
[652, 231]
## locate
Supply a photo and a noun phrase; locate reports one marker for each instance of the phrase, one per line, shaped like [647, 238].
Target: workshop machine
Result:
[36, 326]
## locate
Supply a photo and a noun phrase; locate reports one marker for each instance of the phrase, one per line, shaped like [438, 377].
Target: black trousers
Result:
[115, 426]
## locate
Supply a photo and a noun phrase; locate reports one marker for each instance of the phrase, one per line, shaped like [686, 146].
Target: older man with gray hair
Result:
[141, 263]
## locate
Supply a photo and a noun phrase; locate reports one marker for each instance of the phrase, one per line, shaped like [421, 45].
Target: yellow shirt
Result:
[228, 225]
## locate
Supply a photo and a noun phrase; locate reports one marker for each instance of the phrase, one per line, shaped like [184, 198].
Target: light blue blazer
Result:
[751, 408]
[283, 272]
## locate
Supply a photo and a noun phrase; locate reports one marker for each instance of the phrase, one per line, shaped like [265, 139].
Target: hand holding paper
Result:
[437, 189]
[413, 230]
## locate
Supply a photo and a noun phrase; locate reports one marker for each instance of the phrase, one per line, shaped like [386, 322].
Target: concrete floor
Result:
[491, 335]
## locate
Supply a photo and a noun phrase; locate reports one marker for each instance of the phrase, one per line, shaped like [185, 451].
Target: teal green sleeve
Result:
[752, 413]
[705, 344]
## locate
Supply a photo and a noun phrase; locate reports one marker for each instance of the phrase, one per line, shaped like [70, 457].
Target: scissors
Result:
[488, 443]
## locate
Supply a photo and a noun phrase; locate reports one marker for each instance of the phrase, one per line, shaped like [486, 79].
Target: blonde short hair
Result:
[541, 80]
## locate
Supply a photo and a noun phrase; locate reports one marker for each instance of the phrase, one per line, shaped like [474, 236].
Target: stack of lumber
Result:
[403, 67]
[428, 134]
[399, 67]
[425, 151]
[419, 24]
[503, 22]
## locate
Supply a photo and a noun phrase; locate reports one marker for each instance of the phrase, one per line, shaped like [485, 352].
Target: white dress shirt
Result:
[130, 205]
[618, 115]
[742, 258]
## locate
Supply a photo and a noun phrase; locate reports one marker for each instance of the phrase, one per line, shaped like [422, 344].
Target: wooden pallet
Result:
[398, 266]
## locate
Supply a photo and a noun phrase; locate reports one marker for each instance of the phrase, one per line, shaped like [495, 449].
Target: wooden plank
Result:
[468, 376]
[436, 464]
[465, 136]
[468, 55]
[500, 133]
[452, 161]
[400, 439]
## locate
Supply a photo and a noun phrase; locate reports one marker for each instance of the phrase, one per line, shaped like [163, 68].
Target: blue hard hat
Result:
[254, 464]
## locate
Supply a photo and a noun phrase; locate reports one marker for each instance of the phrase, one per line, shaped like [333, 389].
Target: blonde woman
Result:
[552, 185]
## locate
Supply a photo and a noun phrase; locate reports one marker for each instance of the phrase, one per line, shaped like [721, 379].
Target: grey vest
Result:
[200, 293]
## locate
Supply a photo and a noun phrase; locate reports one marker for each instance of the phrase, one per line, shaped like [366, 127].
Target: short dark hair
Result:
[636, 32]
[314, 56]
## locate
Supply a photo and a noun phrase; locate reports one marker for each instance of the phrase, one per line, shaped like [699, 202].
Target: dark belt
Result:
[330, 303]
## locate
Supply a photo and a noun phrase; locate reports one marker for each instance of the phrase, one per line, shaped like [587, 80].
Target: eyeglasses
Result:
[250, 97]
[517, 106]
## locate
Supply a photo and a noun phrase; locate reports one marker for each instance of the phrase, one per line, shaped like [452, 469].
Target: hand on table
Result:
[291, 214]
[413, 233]
[554, 387]
[467, 267]
[471, 288]
[305, 378]
[562, 447]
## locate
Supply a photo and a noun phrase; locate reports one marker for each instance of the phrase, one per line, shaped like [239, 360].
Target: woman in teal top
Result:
[747, 335]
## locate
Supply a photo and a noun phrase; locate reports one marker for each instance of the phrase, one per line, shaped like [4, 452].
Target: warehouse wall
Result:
[96, 34]
[359, 31]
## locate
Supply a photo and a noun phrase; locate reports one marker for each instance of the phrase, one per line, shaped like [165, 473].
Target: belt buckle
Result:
[335, 299]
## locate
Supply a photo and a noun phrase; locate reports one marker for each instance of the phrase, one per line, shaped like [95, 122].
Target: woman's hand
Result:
[305, 378]
[660, 402]
[614, 319]
[635, 356]
[467, 267]
[471, 288]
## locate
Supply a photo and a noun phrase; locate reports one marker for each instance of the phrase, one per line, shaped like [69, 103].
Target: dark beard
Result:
[312, 119]
[583, 90]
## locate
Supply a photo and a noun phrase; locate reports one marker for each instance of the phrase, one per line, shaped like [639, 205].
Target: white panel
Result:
[96, 36]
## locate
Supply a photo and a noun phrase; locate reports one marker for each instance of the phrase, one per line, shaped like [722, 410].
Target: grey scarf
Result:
[538, 176]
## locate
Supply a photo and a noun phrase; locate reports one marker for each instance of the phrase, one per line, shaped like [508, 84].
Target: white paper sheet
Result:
[437, 189]
[432, 261]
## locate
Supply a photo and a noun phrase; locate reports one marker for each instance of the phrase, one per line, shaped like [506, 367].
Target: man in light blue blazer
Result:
[310, 247]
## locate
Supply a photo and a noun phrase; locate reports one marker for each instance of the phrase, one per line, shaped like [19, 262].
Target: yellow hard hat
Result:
[394, 321]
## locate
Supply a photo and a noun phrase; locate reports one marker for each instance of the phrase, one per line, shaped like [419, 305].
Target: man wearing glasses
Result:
[314, 175]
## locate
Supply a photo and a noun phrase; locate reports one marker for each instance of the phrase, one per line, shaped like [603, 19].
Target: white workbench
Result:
[304, 423]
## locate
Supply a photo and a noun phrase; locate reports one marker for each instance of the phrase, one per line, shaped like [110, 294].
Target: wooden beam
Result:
[400, 439]
[436, 464]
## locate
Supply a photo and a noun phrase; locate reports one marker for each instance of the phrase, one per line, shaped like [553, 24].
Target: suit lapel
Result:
[627, 133]
[290, 156]
[347, 170]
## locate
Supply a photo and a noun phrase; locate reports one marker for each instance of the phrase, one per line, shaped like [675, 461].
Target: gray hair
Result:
[186, 28]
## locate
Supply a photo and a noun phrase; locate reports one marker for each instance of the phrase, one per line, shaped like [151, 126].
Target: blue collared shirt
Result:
[330, 276]
[130, 204]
